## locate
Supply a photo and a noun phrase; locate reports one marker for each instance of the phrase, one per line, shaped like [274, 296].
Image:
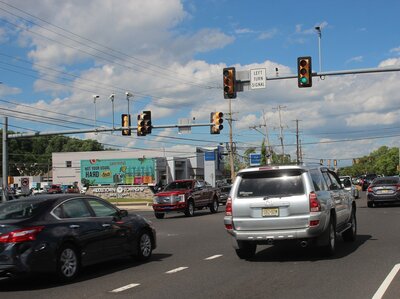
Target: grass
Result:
[119, 200]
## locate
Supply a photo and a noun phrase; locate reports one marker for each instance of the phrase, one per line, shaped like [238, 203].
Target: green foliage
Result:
[383, 161]
[32, 156]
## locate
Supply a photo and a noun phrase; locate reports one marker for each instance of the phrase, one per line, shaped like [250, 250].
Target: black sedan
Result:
[62, 233]
[383, 190]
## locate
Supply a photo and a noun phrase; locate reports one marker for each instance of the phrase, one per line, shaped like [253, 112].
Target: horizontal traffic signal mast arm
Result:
[99, 130]
[334, 73]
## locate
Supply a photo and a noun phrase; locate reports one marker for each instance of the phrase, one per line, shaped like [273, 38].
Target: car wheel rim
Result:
[145, 245]
[69, 262]
[332, 237]
[215, 205]
[191, 208]
[354, 225]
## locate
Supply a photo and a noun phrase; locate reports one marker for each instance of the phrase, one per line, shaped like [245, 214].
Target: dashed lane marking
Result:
[176, 270]
[386, 283]
[124, 288]
[213, 257]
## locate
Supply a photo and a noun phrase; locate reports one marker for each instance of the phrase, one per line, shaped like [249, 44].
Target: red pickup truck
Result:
[185, 196]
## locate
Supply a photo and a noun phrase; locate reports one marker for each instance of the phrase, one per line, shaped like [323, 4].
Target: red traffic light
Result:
[229, 78]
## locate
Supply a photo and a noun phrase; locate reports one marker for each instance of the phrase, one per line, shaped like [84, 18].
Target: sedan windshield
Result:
[18, 209]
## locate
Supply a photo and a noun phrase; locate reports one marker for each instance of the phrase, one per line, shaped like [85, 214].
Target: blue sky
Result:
[170, 54]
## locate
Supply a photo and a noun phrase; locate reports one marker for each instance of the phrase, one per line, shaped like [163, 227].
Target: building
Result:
[122, 167]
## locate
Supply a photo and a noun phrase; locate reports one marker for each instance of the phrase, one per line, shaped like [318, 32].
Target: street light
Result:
[112, 96]
[95, 97]
[318, 29]
[128, 96]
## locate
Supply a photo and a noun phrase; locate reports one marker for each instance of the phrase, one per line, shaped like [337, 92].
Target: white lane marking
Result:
[124, 288]
[213, 257]
[385, 284]
[176, 270]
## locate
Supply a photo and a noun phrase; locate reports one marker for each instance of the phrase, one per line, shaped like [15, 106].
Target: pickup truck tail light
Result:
[398, 187]
[228, 207]
[315, 205]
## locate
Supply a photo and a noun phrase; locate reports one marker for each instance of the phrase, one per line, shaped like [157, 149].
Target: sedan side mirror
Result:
[123, 213]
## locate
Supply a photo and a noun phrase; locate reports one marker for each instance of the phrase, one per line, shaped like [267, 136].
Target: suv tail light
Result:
[315, 205]
[398, 187]
[228, 207]
[21, 235]
[370, 189]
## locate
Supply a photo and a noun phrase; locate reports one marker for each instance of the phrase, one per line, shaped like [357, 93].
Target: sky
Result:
[55, 56]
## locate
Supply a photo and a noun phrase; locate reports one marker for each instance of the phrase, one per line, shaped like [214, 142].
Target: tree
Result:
[32, 156]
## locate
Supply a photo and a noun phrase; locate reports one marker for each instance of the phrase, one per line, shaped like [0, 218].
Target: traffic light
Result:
[304, 71]
[229, 75]
[144, 123]
[126, 123]
[216, 120]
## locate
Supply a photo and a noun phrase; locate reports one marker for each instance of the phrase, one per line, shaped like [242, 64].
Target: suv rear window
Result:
[271, 183]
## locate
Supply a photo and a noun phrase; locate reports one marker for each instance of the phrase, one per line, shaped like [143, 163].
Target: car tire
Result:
[144, 247]
[246, 250]
[330, 247]
[189, 211]
[214, 205]
[350, 234]
[370, 204]
[68, 263]
[159, 215]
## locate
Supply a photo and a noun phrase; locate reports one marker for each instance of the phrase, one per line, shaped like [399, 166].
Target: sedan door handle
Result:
[74, 226]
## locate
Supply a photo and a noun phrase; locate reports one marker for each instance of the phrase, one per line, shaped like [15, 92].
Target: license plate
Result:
[270, 212]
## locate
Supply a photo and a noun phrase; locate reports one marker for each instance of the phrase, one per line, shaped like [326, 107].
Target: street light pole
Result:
[128, 96]
[112, 96]
[318, 29]
[95, 97]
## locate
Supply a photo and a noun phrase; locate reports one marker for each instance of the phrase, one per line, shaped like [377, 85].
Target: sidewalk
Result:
[142, 206]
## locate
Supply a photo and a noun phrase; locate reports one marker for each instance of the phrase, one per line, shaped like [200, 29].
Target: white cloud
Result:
[267, 34]
[355, 59]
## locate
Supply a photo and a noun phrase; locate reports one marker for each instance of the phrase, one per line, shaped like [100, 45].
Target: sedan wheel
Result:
[144, 247]
[67, 263]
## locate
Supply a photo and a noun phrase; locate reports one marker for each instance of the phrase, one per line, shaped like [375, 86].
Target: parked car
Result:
[366, 180]
[72, 189]
[305, 204]
[383, 190]
[62, 233]
[185, 196]
[348, 185]
[224, 193]
[53, 189]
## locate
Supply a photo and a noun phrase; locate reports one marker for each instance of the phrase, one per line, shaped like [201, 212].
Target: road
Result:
[195, 259]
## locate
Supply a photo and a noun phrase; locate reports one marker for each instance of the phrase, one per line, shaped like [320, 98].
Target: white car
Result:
[349, 186]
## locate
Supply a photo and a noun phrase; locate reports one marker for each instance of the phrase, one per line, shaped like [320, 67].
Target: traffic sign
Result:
[25, 182]
[255, 159]
[258, 78]
[24, 185]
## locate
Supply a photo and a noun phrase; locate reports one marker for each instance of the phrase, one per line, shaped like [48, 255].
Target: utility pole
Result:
[279, 108]
[5, 162]
[269, 150]
[297, 143]
[231, 154]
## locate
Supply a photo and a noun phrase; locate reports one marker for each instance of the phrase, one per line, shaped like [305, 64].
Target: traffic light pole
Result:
[4, 189]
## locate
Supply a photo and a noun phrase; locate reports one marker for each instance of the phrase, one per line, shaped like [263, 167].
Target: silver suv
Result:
[272, 204]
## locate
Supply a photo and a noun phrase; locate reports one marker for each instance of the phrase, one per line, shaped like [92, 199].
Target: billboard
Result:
[118, 171]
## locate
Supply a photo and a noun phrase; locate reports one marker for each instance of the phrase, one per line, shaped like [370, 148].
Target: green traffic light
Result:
[303, 80]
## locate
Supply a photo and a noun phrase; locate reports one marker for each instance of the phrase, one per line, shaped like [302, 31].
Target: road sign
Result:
[25, 185]
[255, 159]
[258, 78]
